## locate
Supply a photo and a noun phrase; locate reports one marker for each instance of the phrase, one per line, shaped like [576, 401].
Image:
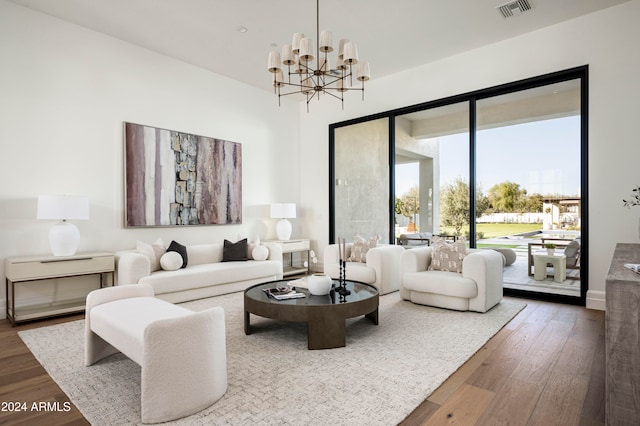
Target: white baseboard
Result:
[596, 300]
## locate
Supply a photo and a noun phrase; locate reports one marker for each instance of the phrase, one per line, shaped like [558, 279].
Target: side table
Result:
[42, 269]
[291, 265]
[559, 262]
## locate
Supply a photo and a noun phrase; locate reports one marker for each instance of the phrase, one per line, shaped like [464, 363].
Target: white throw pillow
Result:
[260, 253]
[153, 251]
[171, 261]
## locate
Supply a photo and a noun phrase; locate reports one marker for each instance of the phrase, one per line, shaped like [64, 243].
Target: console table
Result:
[43, 269]
[291, 266]
[622, 338]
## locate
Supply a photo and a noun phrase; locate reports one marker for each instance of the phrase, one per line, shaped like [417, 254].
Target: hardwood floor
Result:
[545, 367]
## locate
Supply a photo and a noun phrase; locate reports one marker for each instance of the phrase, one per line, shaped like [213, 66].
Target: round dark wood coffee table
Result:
[325, 315]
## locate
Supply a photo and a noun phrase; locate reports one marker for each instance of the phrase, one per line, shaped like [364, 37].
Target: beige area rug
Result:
[382, 374]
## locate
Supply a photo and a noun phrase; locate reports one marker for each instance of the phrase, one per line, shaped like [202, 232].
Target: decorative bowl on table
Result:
[319, 284]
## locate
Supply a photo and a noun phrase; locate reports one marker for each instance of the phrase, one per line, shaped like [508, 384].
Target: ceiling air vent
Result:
[514, 8]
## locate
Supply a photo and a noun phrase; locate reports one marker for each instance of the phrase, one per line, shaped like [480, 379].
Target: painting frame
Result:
[175, 179]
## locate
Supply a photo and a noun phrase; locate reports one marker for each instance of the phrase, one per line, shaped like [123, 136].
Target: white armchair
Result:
[478, 288]
[380, 270]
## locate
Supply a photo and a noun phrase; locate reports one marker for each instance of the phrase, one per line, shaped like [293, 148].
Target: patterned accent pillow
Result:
[448, 256]
[361, 247]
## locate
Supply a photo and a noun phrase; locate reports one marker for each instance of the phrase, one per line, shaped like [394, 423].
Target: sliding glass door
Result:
[432, 173]
[505, 167]
[528, 169]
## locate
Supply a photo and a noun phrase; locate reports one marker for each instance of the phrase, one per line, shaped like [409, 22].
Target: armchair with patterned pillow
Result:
[451, 276]
[367, 262]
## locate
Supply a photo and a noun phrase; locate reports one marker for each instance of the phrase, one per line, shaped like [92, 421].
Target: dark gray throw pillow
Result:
[181, 250]
[234, 251]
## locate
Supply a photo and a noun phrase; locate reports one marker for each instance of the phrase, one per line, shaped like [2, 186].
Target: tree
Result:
[454, 205]
[408, 204]
[508, 197]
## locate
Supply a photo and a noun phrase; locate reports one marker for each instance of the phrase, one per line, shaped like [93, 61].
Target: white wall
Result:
[606, 41]
[64, 94]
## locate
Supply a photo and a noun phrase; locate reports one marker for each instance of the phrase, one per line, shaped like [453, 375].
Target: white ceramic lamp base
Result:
[283, 229]
[64, 238]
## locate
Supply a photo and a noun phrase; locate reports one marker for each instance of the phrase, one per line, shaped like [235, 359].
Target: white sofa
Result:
[381, 268]
[204, 276]
[478, 288]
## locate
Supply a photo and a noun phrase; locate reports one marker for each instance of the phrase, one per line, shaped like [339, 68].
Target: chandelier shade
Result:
[302, 68]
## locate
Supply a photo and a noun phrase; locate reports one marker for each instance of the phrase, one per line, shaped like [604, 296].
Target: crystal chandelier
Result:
[313, 76]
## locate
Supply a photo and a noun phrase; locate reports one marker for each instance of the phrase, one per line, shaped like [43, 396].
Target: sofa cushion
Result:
[441, 282]
[153, 251]
[234, 251]
[360, 248]
[200, 254]
[171, 261]
[123, 322]
[210, 274]
[181, 250]
[448, 256]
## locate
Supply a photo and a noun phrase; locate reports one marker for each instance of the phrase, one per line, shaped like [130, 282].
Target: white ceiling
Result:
[392, 35]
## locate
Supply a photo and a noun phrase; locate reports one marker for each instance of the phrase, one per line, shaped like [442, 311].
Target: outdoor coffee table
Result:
[325, 315]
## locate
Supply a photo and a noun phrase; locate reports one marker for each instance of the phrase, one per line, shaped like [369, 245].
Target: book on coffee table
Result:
[283, 293]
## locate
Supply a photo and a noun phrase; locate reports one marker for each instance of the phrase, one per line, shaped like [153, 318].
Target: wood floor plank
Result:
[464, 407]
[561, 401]
[593, 408]
[576, 357]
[493, 373]
[536, 366]
[421, 413]
[512, 405]
[458, 378]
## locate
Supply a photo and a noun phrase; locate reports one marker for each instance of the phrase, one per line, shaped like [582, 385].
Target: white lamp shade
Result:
[287, 55]
[295, 43]
[341, 44]
[283, 210]
[278, 79]
[326, 40]
[364, 72]
[63, 207]
[342, 85]
[350, 53]
[306, 49]
[274, 62]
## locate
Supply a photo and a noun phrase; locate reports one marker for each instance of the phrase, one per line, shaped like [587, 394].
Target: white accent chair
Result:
[182, 353]
[478, 288]
[380, 270]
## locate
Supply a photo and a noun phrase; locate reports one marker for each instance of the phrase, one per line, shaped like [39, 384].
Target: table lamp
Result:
[64, 236]
[283, 211]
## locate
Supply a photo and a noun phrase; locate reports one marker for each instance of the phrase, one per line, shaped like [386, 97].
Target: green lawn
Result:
[494, 230]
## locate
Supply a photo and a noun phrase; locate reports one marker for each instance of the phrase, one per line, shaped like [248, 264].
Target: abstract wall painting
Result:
[174, 178]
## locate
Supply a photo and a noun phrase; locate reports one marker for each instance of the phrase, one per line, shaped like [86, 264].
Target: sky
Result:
[542, 156]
